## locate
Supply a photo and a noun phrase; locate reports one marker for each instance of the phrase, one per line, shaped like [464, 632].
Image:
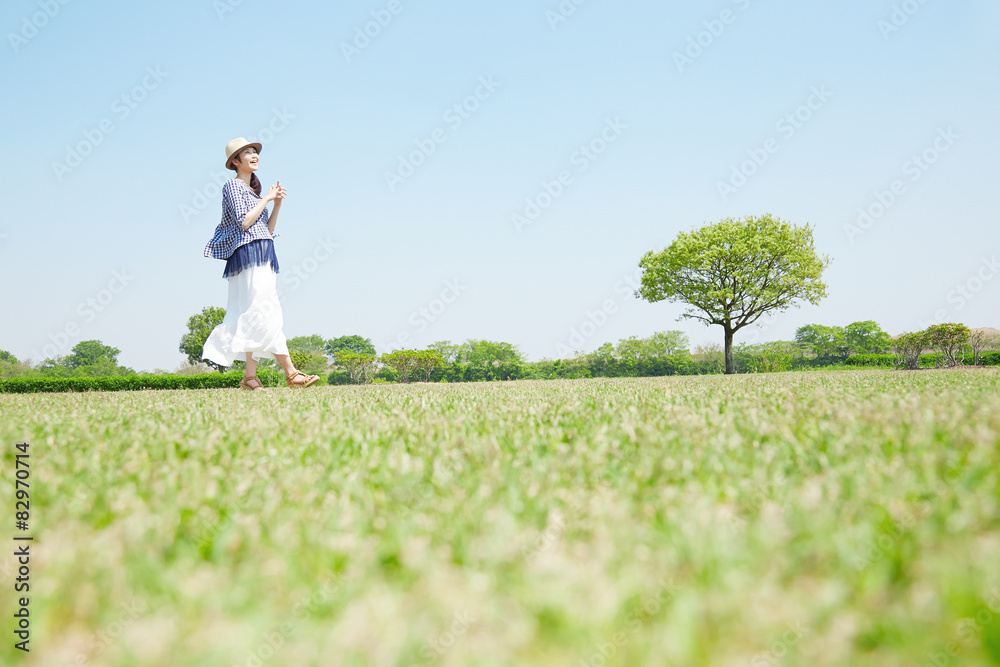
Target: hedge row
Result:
[926, 360]
[22, 385]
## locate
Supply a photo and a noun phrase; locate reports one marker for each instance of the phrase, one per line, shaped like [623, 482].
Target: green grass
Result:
[791, 519]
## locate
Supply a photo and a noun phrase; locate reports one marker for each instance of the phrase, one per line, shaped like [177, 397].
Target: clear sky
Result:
[407, 154]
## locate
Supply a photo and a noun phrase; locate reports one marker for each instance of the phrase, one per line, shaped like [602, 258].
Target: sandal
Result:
[308, 382]
[245, 383]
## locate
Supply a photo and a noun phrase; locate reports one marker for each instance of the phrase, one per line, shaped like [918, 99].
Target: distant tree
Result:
[630, 353]
[732, 272]
[359, 367]
[308, 354]
[314, 343]
[199, 328]
[979, 340]
[949, 339]
[11, 367]
[667, 343]
[603, 362]
[829, 343]
[908, 347]
[409, 363]
[449, 353]
[492, 360]
[709, 358]
[866, 337]
[356, 344]
[91, 352]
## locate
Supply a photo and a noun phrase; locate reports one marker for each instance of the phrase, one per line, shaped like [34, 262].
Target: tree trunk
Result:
[730, 366]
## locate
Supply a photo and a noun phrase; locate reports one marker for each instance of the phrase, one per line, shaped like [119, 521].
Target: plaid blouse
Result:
[237, 200]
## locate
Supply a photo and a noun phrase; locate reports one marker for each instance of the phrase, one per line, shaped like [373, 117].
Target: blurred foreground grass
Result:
[791, 519]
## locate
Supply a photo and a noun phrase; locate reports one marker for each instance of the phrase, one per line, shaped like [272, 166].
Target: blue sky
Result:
[117, 115]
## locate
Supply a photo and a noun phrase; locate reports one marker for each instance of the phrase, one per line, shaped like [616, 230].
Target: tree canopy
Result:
[199, 327]
[732, 272]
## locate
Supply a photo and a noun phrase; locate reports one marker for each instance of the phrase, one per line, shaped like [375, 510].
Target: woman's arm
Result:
[255, 212]
[273, 219]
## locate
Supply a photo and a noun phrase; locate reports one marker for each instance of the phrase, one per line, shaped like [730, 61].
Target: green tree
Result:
[492, 360]
[199, 328]
[908, 347]
[408, 363]
[449, 353]
[356, 344]
[866, 337]
[631, 352]
[949, 339]
[308, 344]
[667, 344]
[308, 354]
[8, 357]
[825, 342]
[732, 272]
[91, 352]
[359, 367]
[603, 363]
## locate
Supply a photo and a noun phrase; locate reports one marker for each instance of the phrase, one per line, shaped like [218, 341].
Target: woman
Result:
[253, 322]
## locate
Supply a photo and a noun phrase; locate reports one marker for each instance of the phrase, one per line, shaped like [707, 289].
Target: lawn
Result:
[842, 518]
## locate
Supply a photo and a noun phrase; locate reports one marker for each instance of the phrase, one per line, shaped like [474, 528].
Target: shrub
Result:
[949, 338]
[871, 360]
[360, 367]
[908, 348]
[24, 385]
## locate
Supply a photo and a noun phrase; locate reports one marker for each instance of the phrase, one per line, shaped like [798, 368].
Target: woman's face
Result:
[246, 160]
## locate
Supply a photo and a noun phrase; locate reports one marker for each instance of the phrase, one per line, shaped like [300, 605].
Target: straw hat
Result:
[235, 146]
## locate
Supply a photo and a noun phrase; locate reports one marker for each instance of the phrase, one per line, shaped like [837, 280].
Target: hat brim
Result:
[254, 144]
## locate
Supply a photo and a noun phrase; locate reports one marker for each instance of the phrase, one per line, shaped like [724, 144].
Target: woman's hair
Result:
[254, 181]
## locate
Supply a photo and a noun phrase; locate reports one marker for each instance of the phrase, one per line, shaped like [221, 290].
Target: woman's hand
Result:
[282, 193]
[272, 193]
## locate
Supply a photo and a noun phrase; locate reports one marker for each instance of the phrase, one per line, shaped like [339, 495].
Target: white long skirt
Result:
[253, 320]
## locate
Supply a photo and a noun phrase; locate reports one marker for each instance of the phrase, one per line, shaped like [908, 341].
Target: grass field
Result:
[848, 518]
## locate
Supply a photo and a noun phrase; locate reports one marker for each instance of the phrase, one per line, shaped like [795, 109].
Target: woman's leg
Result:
[251, 365]
[285, 361]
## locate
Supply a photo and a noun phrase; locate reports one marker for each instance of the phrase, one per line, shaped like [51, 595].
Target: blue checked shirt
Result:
[237, 200]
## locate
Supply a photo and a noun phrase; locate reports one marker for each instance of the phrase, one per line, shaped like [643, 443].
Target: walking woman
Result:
[253, 322]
